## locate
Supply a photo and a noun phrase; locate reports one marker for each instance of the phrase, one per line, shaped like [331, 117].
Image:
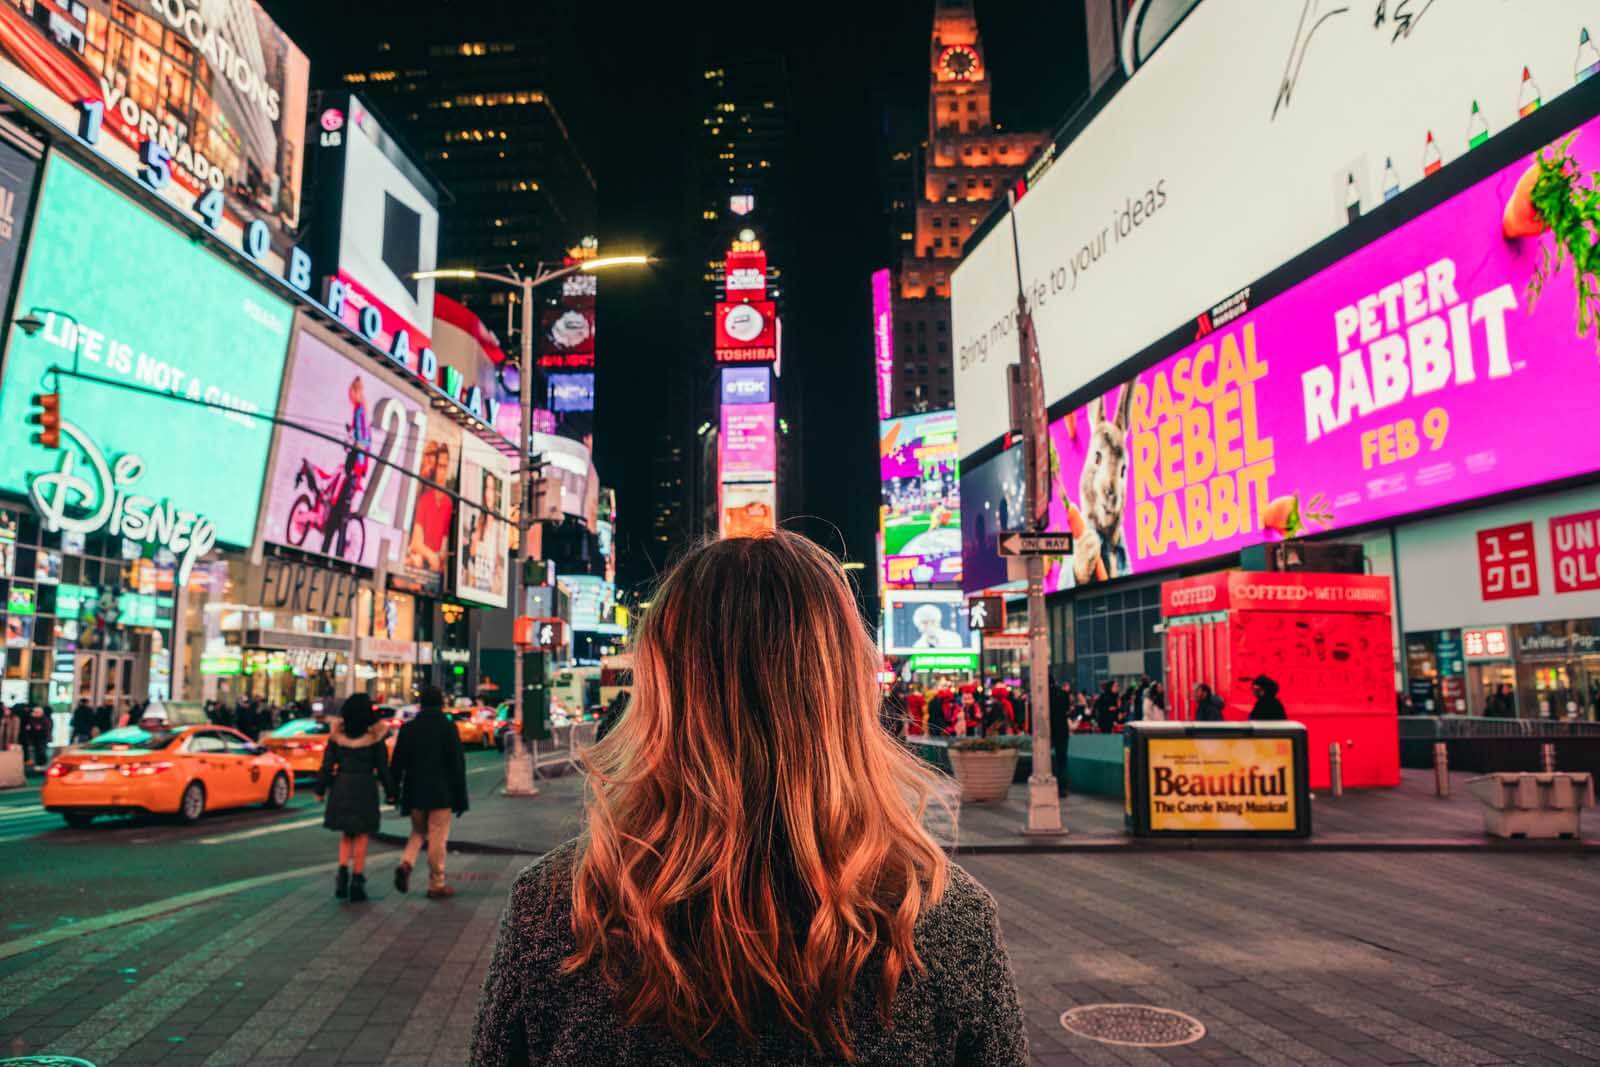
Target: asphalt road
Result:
[55, 876]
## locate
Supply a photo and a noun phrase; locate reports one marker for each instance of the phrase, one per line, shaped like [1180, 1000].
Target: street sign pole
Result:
[1044, 802]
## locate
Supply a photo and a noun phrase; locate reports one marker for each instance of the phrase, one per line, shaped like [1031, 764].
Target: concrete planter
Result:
[1527, 804]
[983, 775]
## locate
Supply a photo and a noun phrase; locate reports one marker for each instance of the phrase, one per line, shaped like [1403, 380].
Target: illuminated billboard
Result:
[747, 447]
[883, 341]
[328, 494]
[566, 336]
[992, 502]
[1308, 148]
[745, 275]
[746, 333]
[921, 498]
[748, 509]
[388, 231]
[218, 87]
[1413, 374]
[926, 620]
[746, 385]
[482, 536]
[206, 332]
[569, 462]
[571, 392]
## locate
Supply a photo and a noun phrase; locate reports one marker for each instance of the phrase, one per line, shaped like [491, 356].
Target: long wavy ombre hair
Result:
[754, 834]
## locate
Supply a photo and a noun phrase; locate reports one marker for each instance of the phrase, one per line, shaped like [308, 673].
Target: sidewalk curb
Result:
[1119, 844]
[1124, 845]
[470, 847]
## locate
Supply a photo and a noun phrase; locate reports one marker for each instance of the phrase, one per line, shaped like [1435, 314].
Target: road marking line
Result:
[159, 907]
[20, 837]
[245, 835]
[487, 767]
[20, 812]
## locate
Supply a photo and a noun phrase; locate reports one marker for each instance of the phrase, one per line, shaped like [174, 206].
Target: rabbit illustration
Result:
[1103, 490]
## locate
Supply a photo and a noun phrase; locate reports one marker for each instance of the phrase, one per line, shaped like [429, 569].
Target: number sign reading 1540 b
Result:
[1035, 544]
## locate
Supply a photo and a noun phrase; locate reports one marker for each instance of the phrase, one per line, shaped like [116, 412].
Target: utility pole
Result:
[1028, 410]
[519, 765]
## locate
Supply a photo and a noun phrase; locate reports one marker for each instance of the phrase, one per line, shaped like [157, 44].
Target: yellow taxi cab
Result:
[184, 771]
[475, 726]
[301, 742]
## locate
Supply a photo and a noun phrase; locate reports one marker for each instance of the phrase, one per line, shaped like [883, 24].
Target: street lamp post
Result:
[519, 767]
[1044, 801]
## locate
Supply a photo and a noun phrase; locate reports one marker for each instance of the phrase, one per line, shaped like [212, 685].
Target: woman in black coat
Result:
[1268, 707]
[354, 764]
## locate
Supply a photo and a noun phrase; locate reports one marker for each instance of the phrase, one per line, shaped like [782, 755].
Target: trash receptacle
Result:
[1197, 779]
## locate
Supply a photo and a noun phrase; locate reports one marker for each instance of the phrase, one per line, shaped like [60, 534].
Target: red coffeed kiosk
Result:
[1326, 639]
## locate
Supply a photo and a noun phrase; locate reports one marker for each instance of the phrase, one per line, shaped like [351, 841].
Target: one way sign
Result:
[1035, 544]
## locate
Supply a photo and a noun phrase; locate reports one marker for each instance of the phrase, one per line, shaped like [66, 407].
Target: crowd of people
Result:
[989, 708]
[254, 717]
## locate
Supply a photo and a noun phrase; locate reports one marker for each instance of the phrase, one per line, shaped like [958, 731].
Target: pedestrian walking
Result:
[36, 731]
[916, 713]
[354, 765]
[82, 722]
[430, 778]
[1268, 708]
[1154, 708]
[1060, 733]
[752, 885]
[105, 715]
[1207, 705]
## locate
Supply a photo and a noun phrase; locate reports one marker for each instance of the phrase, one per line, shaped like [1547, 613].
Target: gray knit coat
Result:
[962, 1010]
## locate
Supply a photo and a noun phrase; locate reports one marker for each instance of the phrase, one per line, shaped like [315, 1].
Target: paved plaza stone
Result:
[1409, 817]
[1320, 957]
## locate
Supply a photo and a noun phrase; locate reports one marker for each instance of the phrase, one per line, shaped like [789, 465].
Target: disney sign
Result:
[98, 494]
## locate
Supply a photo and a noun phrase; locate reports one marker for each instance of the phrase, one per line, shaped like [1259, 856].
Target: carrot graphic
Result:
[1077, 526]
[1283, 515]
[1521, 218]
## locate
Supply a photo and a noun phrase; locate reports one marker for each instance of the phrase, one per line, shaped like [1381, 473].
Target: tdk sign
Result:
[746, 385]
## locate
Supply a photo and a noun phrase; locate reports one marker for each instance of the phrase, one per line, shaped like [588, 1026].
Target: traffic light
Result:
[48, 419]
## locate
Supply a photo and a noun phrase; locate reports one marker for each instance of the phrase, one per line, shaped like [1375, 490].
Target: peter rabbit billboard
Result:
[1456, 357]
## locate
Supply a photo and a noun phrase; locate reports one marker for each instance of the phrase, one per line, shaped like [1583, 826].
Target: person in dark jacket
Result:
[1105, 707]
[36, 731]
[105, 716]
[82, 727]
[1060, 732]
[613, 712]
[1268, 707]
[430, 771]
[354, 764]
[1207, 705]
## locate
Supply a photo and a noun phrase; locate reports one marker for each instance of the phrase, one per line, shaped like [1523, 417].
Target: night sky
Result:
[622, 78]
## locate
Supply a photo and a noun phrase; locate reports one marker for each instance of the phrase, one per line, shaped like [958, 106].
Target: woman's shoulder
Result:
[962, 929]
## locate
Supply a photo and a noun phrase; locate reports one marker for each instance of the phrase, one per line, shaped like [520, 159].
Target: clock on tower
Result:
[959, 62]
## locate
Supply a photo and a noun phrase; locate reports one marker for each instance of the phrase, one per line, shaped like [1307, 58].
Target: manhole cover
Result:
[1133, 1024]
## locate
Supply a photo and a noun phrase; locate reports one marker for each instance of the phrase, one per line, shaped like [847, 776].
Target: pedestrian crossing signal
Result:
[48, 419]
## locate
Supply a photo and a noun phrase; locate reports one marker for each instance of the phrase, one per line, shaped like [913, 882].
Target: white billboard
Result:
[388, 225]
[1257, 130]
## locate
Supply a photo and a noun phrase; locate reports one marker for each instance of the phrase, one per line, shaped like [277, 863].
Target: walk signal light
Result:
[48, 419]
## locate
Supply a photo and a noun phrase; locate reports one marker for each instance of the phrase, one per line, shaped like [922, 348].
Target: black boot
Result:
[341, 883]
[358, 889]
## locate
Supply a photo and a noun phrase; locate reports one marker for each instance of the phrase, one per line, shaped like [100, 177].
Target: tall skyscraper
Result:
[479, 114]
[968, 161]
[737, 195]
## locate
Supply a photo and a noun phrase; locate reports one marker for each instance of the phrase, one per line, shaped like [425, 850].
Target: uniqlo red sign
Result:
[1575, 551]
[1506, 564]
